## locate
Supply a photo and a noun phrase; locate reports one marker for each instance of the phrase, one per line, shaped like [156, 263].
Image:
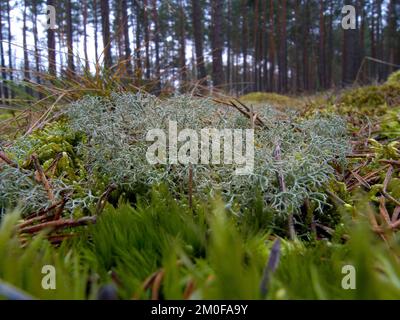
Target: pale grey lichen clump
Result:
[18, 187]
[115, 148]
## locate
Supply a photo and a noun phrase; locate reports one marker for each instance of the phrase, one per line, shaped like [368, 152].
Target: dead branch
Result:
[59, 224]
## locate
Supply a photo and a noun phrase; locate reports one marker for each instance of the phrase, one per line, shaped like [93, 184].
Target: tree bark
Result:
[27, 76]
[51, 47]
[322, 46]
[10, 64]
[271, 46]
[105, 24]
[182, 46]
[157, 46]
[217, 42]
[146, 38]
[85, 20]
[70, 42]
[198, 41]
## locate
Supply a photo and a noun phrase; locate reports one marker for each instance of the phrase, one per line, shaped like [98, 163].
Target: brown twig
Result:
[43, 178]
[7, 160]
[388, 178]
[383, 211]
[44, 211]
[103, 199]
[53, 164]
[392, 162]
[361, 180]
[59, 224]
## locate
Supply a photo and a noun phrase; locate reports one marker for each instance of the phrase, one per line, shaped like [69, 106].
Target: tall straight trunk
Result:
[27, 76]
[182, 46]
[95, 22]
[349, 54]
[264, 41]
[298, 82]
[198, 41]
[138, 60]
[329, 55]
[283, 47]
[272, 53]
[36, 39]
[217, 42]
[51, 47]
[305, 46]
[255, 45]
[146, 38]
[229, 46]
[70, 47]
[361, 40]
[118, 30]
[128, 52]
[322, 46]
[85, 19]
[245, 42]
[379, 5]
[105, 25]
[391, 35]
[373, 42]
[157, 45]
[3, 87]
[10, 64]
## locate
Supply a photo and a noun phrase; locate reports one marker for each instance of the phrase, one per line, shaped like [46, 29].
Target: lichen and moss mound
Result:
[394, 78]
[273, 99]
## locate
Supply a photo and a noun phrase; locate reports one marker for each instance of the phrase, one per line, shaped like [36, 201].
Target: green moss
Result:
[394, 78]
[273, 99]
[371, 99]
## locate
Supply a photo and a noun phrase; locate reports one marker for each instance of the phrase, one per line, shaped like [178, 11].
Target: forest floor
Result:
[318, 218]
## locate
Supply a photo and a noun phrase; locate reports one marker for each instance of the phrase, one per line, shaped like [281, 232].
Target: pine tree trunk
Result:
[27, 76]
[329, 55]
[264, 50]
[105, 24]
[272, 53]
[3, 87]
[36, 40]
[138, 60]
[182, 46]
[245, 42]
[283, 47]
[322, 47]
[157, 46]
[146, 38]
[305, 47]
[391, 35]
[255, 44]
[85, 19]
[95, 22]
[51, 47]
[70, 47]
[297, 12]
[217, 42]
[198, 41]
[10, 64]
[229, 46]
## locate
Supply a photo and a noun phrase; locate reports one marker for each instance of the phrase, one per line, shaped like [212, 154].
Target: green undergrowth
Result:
[162, 236]
[273, 99]
[199, 253]
[102, 141]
